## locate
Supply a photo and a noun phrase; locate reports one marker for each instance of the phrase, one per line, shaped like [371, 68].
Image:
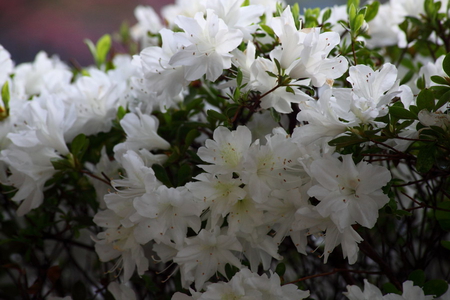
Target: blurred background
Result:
[60, 26]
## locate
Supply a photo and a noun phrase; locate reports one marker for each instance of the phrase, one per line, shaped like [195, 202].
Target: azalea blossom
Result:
[6, 65]
[206, 254]
[349, 193]
[206, 46]
[227, 151]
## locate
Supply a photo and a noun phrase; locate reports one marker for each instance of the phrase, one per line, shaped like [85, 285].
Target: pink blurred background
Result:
[60, 26]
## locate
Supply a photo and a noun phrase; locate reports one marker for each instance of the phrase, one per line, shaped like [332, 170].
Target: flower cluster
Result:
[243, 136]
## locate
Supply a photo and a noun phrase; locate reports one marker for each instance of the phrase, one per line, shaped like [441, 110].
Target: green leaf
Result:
[401, 113]
[326, 15]
[103, 47]
[184, 174]
[408, 76]
[390, 288]
[161, 175]
[237, 94]
[268, 30]
[79, 146]
[191, 136]
[150, 284]
[443, 215]
[245, 3]
[61, 164]
[435, 287]
[280, 269]
[239, 77]
[425, 159]
[279, 9]
[358, 22]
[425, 100]
[216, 115]
[121, 112]
[92, 49]
[421, 83]
[271, 74]
[345, 141]
[355, 3]
[289, 89]
[446, 64]
[230, 270]
[79, 291]
[402, 213]
[193, 104]
[295, 9]
[352, 15]
[275, 115]
[4, 111]
[429, 7]
[446, 244]
[445, 98]
[372, 11]
[417, 277]
[439, 80]
[277, 63]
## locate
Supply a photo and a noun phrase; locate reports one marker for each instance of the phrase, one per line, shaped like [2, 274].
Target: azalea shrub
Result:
[233, 149]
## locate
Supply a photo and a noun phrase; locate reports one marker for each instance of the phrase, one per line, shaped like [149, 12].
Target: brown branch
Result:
[96, 177]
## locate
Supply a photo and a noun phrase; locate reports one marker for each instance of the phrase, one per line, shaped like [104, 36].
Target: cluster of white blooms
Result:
[45, 110]
[371, 292]
[248, 285]
[259, 184]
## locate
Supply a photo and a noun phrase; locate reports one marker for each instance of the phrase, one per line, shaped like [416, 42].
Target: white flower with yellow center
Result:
[349, 193]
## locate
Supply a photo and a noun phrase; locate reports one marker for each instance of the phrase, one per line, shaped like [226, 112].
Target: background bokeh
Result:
[60, 26]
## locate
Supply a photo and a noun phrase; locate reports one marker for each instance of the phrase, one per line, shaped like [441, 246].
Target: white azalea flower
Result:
[349, 193]
[244, 61]
[44, 123]
[6, 65]
[168, 213]
[272, 166]
[236, 16]
[304, 53]
[432, 69]
[371, 292]
[371, 91]
[121, 291]
[186, 8]
[259, 248]
[384, 30]
[29, 77]
[148, 22]
[119, 242]
[410, 292]
[105, 166]
[281, 212]
[327, 233]
[280, 98]
[227, 151]
[437, 118]
[161, 77]
[219, 192]
[271, 288]
[141, 131]
[29, 172]
[96, 98]
[207, 44]
[206, 254]
[326, 118]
